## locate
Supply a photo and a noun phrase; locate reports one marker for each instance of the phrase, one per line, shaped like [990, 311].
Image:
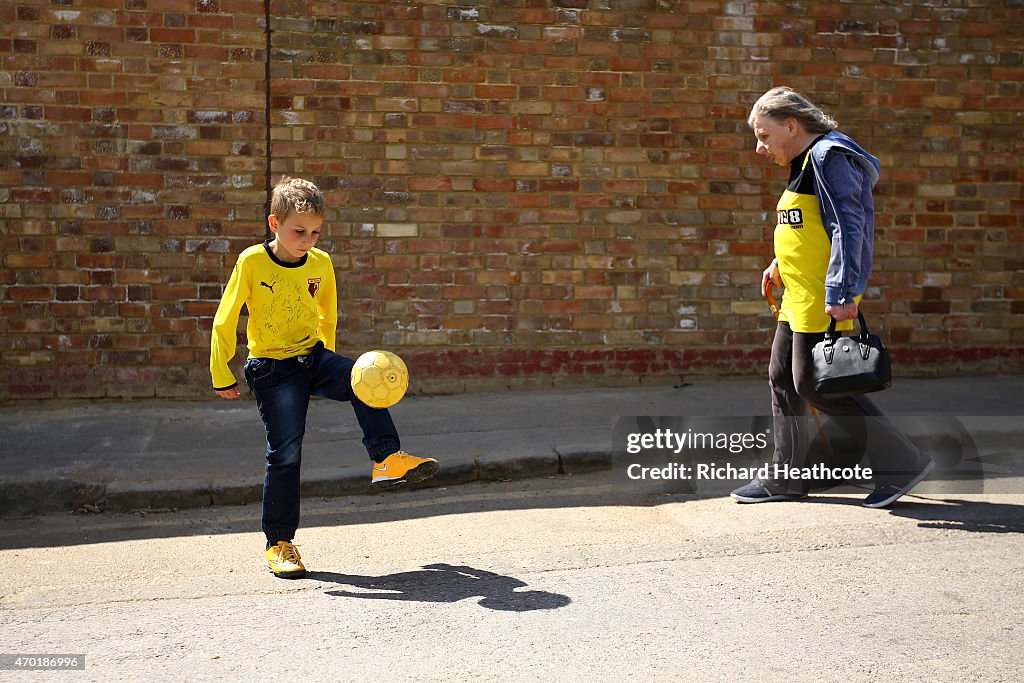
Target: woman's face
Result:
[776, 139]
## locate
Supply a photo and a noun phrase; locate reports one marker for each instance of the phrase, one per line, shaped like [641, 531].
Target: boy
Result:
[289, 288]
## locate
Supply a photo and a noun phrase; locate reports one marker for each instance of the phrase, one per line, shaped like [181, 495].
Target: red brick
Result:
[494, 185]
[560, 176]
[30, 293]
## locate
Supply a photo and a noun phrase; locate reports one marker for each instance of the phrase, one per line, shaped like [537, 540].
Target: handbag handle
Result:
[831, 336]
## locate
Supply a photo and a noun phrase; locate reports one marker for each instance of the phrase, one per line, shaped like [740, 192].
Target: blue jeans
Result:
[282, 389]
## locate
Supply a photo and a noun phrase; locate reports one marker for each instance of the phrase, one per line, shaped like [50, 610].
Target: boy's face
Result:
[295, 235]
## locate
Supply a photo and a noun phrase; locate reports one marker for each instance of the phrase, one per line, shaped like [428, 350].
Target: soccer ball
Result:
[379, 379]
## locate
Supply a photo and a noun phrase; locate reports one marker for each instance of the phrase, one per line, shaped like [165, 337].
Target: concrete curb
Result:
[35, 497]
[579, 459]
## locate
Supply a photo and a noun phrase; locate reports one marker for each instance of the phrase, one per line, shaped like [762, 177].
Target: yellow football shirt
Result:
[292, 306]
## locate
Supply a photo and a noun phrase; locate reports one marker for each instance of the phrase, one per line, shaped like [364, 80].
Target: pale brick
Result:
[396, 229]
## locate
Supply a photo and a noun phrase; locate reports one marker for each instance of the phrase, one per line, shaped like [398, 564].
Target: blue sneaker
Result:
[887, 495]
[758, 491]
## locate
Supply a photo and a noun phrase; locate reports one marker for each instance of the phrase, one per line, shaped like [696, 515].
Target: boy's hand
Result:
[228, 393]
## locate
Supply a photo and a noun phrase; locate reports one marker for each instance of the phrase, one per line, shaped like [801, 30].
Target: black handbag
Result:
[844, 366]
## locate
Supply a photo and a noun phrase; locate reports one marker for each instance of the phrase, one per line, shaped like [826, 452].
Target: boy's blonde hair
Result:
[298, 195]
[782, 103]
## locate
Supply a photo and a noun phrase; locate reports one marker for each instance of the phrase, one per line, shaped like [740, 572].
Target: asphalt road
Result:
[566, 578]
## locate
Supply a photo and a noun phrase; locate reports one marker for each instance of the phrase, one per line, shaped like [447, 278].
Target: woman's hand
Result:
[770, 278]
[842, 312]
[228, 393]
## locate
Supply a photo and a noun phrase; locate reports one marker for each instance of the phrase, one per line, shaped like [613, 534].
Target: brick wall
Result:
[523, 192]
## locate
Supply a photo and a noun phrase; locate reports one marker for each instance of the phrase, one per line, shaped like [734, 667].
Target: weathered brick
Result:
[517, 177]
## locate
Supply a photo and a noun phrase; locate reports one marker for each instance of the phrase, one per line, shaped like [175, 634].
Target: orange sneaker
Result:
[401, 468]
[283, 559]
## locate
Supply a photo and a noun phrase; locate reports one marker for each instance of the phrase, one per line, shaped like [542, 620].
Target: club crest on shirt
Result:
[791, 217]
[314, 286]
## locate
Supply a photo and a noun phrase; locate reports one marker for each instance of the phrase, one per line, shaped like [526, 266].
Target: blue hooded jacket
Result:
[844, 175]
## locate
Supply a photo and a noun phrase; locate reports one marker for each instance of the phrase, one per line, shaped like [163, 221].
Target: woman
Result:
[823, 247]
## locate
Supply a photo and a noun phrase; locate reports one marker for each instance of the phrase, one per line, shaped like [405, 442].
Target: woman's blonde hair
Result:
[782, 103]
[298, 195]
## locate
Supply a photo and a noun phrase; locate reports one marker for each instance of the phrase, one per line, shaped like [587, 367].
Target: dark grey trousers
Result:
[891, 456]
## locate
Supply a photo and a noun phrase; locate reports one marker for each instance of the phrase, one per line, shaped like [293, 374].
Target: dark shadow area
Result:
[445, 583]
[563, 491]
[963, 515]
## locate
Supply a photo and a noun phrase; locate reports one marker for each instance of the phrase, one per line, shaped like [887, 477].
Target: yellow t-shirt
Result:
[292, 306]
[803, 249]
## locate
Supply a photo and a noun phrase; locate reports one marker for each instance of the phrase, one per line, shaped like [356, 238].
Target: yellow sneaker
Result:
[283, 559]
[401, 468]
